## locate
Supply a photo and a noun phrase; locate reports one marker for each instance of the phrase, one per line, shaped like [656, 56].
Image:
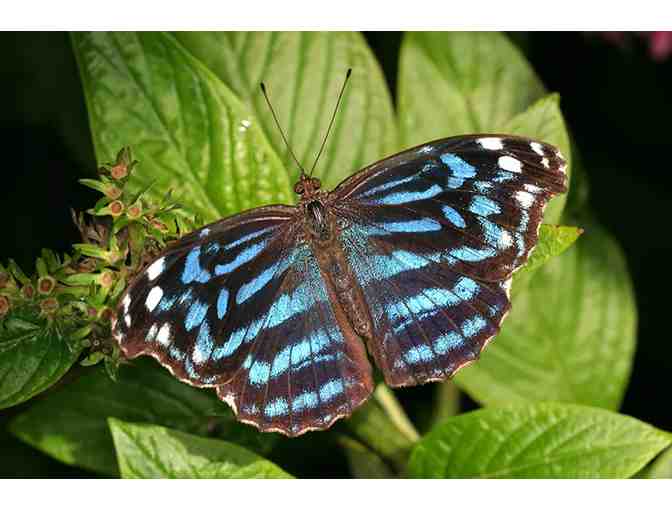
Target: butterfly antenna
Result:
[331, 122]
[277, 123]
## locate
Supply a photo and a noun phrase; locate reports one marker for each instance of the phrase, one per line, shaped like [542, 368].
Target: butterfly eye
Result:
[298, 188]
[315, 183]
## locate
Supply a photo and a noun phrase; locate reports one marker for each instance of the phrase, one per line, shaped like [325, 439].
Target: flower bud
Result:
[28, 291]
[119, 171]
[45, 285]
[134, 211]
[116, 208]
[112, 192]
[49, 305]
[106, 279]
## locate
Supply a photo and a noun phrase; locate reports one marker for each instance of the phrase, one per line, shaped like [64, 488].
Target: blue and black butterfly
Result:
[409, 259]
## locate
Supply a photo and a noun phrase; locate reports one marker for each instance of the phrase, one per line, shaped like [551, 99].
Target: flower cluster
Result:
[79, 292]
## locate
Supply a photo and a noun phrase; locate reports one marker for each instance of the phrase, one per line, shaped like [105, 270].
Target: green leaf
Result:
[33, 356]
[569, 337]
[150, 451]
[72, 424]
[661, 467]
[364, 463]
[303, 72]
[454, 83]
[543, 440]
[461, 82]
[187, 129]
[553, 240]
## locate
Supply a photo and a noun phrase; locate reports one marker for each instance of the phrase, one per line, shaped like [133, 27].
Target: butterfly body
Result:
[411, 257]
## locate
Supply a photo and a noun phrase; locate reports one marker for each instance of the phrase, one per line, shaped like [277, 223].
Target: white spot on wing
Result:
[198, 356]
[492, 144]
[511, 164]
[163, 336]
[545, 162]
[536, 147]
[151, 334]
[531, 188]
[127, 320]
[524, 198]
[126, 302]
[505, 240]
[156, 268]
[153, 298]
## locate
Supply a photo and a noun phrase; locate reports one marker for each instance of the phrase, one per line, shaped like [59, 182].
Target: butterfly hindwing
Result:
[306, 372]
[240, 305]
[428, 320]
[433, 236]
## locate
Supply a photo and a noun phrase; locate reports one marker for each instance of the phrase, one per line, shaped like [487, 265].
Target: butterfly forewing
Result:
[433, 235]
[183, 301]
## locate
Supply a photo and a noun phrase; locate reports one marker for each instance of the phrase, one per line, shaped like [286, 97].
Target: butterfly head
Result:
[307, 187]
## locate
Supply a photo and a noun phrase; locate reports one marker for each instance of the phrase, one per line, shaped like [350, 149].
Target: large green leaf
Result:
[150, 451]
[543, 440]
[464, 82]
[304, 72]
[71, 425]
[189, 131]
[454, 83]
[33, 356]
[569, 337]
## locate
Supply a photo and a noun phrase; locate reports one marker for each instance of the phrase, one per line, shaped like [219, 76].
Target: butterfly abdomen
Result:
[322, 232]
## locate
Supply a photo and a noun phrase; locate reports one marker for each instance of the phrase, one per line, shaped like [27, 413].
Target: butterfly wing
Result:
[433, 235]
[240, 305]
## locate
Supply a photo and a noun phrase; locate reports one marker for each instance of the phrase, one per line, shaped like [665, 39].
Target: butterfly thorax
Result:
[312, 202]
[322, 232]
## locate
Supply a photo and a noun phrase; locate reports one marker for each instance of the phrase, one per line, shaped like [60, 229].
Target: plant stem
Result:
[395, 412]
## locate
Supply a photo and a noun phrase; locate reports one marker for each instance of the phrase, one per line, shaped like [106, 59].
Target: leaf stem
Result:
[385, 397]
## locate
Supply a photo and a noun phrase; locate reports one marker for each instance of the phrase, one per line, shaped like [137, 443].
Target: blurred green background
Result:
[616, 99]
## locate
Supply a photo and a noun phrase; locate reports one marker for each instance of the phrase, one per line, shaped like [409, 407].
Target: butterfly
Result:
[408, 260]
